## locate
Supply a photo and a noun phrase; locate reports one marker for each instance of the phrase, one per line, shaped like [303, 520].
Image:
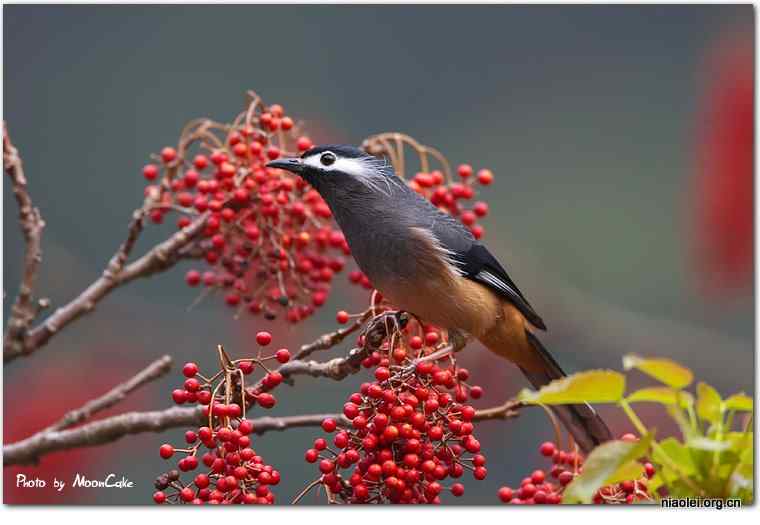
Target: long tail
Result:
[582, 421]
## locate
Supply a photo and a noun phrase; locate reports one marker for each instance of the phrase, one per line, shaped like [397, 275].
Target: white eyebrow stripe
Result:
[367, 170]
[351, 166]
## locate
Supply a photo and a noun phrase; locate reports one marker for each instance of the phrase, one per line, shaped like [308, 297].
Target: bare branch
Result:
[158, 259]
[327, 341]
[107, 430]
[507, 410]
[113, 428]
[23, 311]
[156, 369]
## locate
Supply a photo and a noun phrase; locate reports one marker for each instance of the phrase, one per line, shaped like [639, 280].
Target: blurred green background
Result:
[588, 115]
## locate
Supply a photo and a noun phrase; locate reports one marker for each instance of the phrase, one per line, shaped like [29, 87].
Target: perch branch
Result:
[340, 367]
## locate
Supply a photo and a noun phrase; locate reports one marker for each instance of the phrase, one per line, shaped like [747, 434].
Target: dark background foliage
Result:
[590, 118]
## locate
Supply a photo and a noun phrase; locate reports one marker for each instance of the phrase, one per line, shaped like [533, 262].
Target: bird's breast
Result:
[412, 272]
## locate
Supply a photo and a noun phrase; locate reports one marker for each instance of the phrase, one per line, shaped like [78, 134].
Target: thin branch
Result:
[23, 311]
[507, 410]
[327, 341]
[156, 369]
[158, 259]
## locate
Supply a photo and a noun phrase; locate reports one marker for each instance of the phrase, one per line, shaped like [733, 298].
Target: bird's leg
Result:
[457, 339]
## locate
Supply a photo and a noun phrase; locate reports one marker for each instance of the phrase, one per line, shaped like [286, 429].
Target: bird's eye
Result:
[327, 158]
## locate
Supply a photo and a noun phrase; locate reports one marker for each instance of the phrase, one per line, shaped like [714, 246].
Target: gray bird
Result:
[428, 263]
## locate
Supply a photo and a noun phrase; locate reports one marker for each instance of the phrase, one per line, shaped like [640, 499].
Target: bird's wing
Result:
[477, 264]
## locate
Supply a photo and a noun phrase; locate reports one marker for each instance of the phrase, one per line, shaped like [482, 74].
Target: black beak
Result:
[294, 164]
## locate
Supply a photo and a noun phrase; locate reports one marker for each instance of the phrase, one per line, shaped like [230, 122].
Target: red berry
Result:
[464, 170]
[168, 154]
[266, 400]
[190, 370]
[166, 451]
[150, 171]
[565, 477]
[505, 494]
[246, 367]
[329, 425]
[342, 317]
[179, 396]
[485, 177]
[282, 355]
[311, 455]
[200, 162]
[480, 209]
[273, 379]
[457, 489]
[193, 278]
[547, 449]
[159, 497]
[538, 477]
[263, 338]
[245, 427]
[480, 473]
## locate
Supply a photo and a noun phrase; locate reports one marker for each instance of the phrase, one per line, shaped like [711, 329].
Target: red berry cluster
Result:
[540, 488]
[451, 196]
[409, 430]
[234, 472]
[269, 239]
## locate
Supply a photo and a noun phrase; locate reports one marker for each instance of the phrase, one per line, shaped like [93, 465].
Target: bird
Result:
[427, 263]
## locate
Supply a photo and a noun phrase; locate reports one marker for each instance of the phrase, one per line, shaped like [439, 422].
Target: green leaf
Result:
[740, 440]
[594, 386]
[739, 402]
[608, 463]
[710, 445]
[676, 451]
[708, 403]
[741, 444]
[664, 370]
[684, 423]
[661, 394]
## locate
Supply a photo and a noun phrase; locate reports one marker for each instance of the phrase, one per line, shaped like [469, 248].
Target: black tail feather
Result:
[582, 421]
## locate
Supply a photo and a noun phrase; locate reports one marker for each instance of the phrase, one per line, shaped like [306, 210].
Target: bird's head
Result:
[329, 167]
